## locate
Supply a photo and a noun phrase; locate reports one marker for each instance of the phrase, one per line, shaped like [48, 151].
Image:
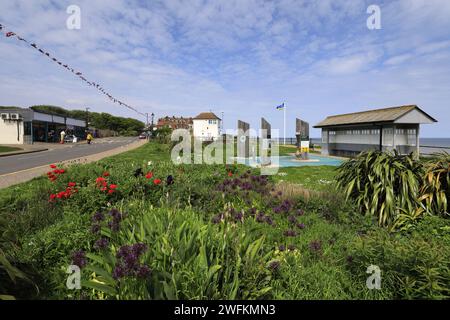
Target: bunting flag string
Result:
[80, 75]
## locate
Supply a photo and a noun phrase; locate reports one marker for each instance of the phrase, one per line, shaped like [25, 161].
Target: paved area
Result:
[24, 149]
[21, 168]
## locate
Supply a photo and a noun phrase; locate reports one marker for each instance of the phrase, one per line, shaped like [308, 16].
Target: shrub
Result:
[435, 190]
[182, 256]
[414, 265]
[381, 184]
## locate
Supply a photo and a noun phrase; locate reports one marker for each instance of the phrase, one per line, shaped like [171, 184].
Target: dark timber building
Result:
[395, 128]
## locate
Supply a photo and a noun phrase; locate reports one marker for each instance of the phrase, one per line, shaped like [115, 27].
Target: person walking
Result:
[89, 138]
[63, 135]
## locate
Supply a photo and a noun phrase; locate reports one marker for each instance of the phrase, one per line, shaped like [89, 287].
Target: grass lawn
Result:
[320, 178]
[205, 232]
[8, 149]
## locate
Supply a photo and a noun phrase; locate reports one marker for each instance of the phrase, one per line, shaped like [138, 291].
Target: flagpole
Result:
[284, 122]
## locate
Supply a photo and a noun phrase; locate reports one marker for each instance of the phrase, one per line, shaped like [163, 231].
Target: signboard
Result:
[304, 146]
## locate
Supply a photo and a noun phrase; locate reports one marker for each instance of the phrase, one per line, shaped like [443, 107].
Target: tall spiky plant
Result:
[382, 183]
[435, 192]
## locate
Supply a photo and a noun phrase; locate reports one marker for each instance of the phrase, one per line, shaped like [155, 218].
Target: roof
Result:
[370, 116]
[206, 116]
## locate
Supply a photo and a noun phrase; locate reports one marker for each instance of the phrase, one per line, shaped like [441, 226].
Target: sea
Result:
[427, 145]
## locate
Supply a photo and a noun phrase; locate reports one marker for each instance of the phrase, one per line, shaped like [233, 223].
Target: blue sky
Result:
[239, 57]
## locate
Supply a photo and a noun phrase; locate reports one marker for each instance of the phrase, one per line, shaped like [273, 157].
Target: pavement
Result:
[25, 148]
[19, 168]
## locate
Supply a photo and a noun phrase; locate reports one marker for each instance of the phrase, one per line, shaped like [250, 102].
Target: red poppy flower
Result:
[49, 173]
[56, 171]
[61, 171]
[149, 175]
[53, 166]
[104, 189]
[72, 184]
[52, 197]
[60, 195]
[111, 191]
[157, 181]
[106, 174]
[230, 173]
[100, 180]
[113, 186]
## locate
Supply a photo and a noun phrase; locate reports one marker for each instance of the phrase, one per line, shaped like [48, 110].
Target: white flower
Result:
[149, 163]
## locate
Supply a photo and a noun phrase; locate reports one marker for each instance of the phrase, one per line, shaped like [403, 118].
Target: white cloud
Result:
[240, 56]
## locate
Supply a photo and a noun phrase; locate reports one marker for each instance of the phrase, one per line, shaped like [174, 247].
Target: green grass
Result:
[8, 149]
[319, 178]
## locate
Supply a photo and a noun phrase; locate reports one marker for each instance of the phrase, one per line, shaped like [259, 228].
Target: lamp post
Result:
[87, 118]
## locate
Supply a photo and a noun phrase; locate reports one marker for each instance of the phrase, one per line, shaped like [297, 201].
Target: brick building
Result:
[175, 122]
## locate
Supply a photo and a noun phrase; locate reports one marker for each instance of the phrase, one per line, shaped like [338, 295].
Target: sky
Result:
[239, 57]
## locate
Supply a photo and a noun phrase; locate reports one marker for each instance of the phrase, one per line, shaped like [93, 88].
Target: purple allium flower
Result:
[300, 225]
[290, 233]
[95, 228]
[139, 248]
[118, 272]
[260, 217]
[269, 220]
[123, 251]
[169, 180]
[280, 193]
[131, 260]
[292, 219]
[98, 216]
[282, 247]
[315, 246]
[143, 271]
[128, 260]
[101, 243]
[252, 211]
[115, 214]
[238, 217]
[274, 265]
[79, 258]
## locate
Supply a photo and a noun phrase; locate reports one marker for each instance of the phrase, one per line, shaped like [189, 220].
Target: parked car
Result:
[142, 136]
[71, 138]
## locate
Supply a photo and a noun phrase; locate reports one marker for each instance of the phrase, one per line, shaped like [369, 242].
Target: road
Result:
[21, 162]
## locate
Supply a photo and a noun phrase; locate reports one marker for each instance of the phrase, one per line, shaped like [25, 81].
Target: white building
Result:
[396, 128]
[206, 126]
[25, 126]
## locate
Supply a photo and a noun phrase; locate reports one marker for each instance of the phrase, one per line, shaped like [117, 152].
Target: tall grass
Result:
[435, 191]
[382, 184]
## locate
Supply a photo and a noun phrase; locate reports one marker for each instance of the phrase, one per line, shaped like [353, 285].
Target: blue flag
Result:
[281, 106]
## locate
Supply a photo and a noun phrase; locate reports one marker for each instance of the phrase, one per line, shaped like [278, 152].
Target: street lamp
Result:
[87, 118]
